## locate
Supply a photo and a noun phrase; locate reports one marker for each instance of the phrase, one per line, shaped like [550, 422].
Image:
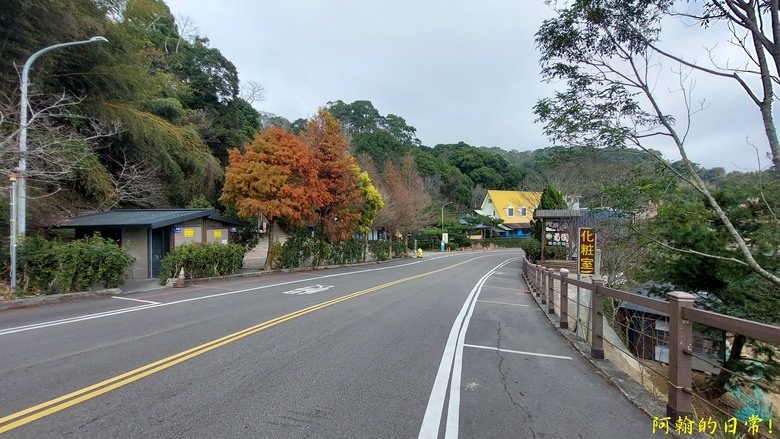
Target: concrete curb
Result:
[28, 302]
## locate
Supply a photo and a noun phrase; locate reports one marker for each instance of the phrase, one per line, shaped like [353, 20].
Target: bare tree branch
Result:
[252, 92]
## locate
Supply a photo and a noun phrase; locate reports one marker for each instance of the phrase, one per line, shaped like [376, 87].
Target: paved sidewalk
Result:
[631, 390]
[547, 388]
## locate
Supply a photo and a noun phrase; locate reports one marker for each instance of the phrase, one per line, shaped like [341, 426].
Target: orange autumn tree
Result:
[276, 177]
[339, 209]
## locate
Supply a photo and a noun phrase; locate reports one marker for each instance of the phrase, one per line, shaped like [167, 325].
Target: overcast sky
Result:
[456, 70]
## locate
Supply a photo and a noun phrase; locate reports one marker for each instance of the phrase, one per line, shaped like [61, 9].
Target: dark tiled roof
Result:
[556, 213]
[143, 218]
[516, 226]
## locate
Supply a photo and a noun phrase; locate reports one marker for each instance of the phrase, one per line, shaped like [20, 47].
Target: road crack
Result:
[505, 382]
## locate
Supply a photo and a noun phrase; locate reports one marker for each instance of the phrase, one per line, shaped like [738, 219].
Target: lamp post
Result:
[19, 204]
[442, 223]
[14, 230]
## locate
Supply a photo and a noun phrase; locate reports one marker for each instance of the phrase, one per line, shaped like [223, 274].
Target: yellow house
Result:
[514, 208]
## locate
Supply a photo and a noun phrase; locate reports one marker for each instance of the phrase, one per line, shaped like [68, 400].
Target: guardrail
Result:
[541, 280]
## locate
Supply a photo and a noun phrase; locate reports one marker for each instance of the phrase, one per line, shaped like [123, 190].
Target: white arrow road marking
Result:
[309, 290]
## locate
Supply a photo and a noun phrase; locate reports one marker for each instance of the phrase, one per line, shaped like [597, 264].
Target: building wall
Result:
[217, 232]
[136, 241]
[189, 232]
[489, 208]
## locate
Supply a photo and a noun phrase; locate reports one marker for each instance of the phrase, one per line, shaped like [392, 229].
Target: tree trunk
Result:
[717, 386]
[269, 257]
[321, 244]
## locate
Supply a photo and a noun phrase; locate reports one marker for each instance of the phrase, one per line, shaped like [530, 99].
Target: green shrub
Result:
[37, 259]
[553, 253]
[399, 248]
[202, 260]
[380, 250]
[275, 253]
[299, 250]
[460, 240]
[346, 252]
[54, 267]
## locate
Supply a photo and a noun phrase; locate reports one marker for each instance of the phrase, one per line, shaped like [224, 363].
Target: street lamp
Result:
[442, 223]
[19, 205]
[14, 230]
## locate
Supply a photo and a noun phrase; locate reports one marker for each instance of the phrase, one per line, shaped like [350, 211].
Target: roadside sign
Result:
[445, 237]
[587, 254]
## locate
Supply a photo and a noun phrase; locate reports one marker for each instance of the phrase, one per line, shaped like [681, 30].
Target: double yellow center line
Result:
[31, 414]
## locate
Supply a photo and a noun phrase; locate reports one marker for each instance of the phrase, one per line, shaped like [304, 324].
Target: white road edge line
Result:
[136, 300]
[82, 318]
[450, 365]
[73, 319]
[85, 317]
[501, 303]
[502, 288]
[533, 354]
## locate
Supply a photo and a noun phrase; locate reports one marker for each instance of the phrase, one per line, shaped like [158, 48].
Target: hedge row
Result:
[202, 260]
[53, 267]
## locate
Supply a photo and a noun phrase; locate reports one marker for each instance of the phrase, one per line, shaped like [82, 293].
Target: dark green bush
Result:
[202, 260]
[380, 250]
[54, 266]
[552, 253]
[459, 239]
[399, 248]
[299, 250]
[346, 252]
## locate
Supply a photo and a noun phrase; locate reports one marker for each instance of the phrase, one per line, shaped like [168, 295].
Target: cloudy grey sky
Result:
[456, 70]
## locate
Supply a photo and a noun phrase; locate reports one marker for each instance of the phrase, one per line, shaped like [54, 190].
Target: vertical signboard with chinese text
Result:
[587, 254]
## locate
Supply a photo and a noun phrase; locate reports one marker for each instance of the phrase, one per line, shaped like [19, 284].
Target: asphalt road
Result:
[449, 345]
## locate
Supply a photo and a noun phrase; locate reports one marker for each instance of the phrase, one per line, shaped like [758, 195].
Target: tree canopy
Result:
[154, 112]
[610, 53]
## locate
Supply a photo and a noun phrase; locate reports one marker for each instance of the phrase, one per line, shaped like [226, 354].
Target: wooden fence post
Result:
[680, 358]
[596, 320]
[543, 290]
[564, 299]
[551, 292]
[525, 268]
[538, 277]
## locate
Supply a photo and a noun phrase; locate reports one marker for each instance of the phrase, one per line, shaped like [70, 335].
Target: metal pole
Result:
[442, 223]
[22, 208]
[14, 232]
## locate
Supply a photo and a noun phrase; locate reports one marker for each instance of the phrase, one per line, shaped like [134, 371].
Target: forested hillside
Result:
[146, 120]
